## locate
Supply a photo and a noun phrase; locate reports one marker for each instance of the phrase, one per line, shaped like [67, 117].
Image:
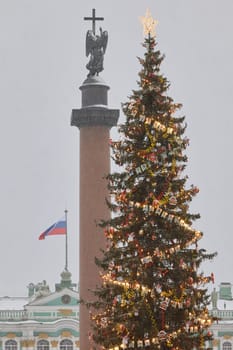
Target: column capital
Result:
[94, 116]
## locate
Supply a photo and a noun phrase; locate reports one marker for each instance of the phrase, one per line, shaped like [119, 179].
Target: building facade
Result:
[222, 311]
[43, 320]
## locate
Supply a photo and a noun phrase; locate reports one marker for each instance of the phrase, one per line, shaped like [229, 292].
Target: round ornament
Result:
[173, 200]
[162, 335]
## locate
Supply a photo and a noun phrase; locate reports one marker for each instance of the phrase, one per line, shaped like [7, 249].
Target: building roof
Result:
[13, 303]
[225, 304]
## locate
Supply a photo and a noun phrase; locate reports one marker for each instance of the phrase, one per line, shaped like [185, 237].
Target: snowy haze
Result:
[42, 65]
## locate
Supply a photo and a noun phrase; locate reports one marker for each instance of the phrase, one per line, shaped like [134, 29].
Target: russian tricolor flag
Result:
[59, 228]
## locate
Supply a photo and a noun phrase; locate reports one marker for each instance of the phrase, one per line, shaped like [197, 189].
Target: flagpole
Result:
[66, 252]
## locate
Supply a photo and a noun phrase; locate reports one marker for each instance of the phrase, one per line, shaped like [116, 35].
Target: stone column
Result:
[94, 120]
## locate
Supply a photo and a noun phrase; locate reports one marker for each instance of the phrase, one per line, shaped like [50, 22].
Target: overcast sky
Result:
[42, 65]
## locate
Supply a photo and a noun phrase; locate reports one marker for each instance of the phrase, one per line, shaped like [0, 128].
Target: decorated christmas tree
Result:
[153, 294]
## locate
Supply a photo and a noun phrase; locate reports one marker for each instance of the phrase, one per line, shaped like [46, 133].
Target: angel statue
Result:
[96, 47]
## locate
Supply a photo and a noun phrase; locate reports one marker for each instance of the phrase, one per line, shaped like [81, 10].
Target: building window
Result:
[11, 345]
[66, 344]
[43, 345]
[226, 346]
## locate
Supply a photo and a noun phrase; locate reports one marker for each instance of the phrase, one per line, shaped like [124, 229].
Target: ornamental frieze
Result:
[11, 335]
[66, 312]
[43, 335]
[66, 334]
[54, 343]
[27, 343]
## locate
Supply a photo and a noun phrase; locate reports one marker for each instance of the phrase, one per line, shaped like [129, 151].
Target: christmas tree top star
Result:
[149, 24]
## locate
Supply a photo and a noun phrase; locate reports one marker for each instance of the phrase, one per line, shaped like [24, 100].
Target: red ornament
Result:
[190, 280]
[212, 277]
[195, 189]
[164, 305]
[155, 203]
[111, 231]
[152, 157]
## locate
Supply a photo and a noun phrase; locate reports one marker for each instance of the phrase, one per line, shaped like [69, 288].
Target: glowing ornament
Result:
[140, 344]
[124, 342]
[147, 260]
[131, 344]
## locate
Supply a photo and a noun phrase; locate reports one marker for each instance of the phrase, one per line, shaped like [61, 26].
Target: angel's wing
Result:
[90, 39]
[104, 39]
